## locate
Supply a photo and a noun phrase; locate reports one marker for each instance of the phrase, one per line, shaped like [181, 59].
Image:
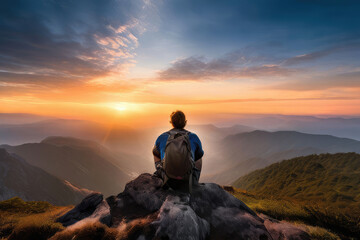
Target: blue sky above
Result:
[111, 47]
[274, 29]
[173, 29]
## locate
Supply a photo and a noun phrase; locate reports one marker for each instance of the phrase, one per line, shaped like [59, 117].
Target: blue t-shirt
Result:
[196, 148]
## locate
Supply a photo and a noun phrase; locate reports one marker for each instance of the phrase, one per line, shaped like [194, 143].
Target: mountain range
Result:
[245, 152]
[20, 179]
[83, 163]
[90, 155]
[340, 126]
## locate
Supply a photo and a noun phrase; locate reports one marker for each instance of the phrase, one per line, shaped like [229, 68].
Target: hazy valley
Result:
[71, 158]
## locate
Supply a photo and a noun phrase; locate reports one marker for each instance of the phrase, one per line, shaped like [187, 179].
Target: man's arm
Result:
[157, 156]
[156, 159]
[198, 164]
[199, 153]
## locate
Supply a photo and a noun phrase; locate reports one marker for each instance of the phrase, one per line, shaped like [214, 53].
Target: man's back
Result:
[196, 147]
[178, 120]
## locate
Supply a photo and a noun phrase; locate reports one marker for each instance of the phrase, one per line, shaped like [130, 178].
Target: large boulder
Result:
[177, 220]
[83, 210]
[209, 212]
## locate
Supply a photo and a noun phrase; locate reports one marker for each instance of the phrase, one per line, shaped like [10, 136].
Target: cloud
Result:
[189, 101]
[256, 62]
[306, 57]
[57, 42]
[326, 81]
[235, 64]
[309, 57]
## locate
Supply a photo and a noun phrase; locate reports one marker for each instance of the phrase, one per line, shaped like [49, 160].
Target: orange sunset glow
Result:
[138, 66]
[154, 100]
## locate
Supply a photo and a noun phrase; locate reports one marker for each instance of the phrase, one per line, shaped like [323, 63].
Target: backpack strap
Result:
[172, 133]
[175, 131]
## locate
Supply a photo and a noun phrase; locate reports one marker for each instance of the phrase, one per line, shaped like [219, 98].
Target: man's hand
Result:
[159, 170]
[158, 165]
[157, 159]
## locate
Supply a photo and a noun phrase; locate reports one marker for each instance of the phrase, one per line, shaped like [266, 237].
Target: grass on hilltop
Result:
[285, 210]
[331, 179]
[320, 190]
[318, 220]
[29, 220]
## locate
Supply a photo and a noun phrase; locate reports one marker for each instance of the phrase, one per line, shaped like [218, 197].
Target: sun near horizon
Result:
[101, 62]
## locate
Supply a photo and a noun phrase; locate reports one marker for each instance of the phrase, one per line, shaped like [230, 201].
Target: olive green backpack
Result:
[178, 161]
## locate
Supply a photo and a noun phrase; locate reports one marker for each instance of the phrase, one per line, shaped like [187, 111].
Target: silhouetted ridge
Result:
[84, 163]
[20, 179]
[70, 141]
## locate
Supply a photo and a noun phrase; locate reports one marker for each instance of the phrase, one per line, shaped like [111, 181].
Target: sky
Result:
[138, 60]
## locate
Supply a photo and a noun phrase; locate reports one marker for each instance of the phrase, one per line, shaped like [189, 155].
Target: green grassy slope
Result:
[319, 222]
[320, 190]
[327, 178]
[245, 152]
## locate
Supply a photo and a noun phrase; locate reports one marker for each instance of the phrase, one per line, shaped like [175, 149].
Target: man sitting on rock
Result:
[178, 154]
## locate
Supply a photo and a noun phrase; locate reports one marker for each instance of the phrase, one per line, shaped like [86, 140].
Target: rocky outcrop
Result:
[209, 212]
[83, 210]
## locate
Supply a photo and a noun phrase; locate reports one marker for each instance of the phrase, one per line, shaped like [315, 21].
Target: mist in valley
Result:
[230, 151]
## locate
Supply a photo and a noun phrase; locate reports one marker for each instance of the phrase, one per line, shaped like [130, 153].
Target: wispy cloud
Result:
[187, 101]
[251, 64]
[58, 42]
[327, 81]
[232, 65]
[309, 57]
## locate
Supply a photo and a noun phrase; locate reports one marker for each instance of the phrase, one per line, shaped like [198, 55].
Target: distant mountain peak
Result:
[63, 140]
[20, 179]
[84, 163]
[3, 153]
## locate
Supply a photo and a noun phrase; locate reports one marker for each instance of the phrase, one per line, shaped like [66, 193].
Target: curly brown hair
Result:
[178, 119]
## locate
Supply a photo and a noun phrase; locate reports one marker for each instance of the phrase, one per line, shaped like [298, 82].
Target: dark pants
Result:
[196, 175]
[179, 184]
[184, 186]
